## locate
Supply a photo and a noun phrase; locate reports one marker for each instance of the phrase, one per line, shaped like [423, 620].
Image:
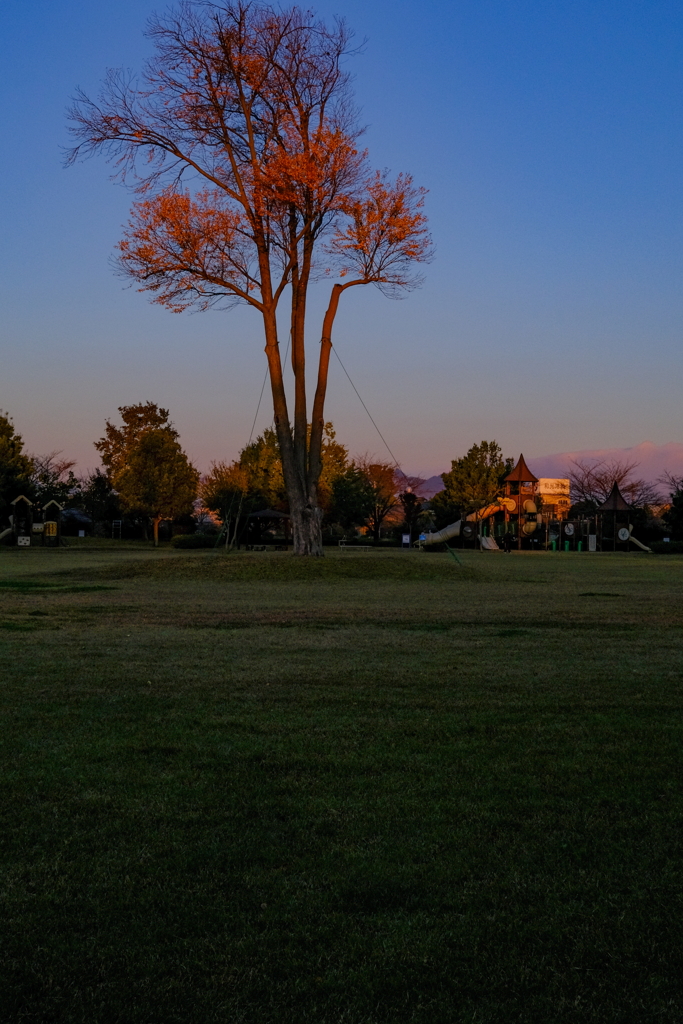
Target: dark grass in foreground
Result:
[373, 789]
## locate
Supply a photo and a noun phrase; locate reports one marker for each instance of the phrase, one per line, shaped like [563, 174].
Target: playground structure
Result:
[32, 524]
[518, 501]
[516, 515]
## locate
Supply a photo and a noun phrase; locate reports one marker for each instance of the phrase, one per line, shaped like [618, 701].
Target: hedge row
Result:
[671, 547]
[195, 540]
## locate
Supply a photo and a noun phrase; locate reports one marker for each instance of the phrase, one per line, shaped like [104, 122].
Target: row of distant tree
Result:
[146, 478]
[145, 475]
[360, 492]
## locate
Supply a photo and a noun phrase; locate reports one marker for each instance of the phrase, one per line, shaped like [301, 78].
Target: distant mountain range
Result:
[653, 461]
[431, 487]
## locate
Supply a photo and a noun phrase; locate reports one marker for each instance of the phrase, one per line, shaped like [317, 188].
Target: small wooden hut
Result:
[265, 519]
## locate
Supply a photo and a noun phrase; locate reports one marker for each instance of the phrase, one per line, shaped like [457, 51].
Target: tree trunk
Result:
[307, 533]
[157, 520]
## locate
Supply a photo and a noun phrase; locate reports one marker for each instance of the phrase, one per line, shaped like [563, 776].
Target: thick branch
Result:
[317, 415]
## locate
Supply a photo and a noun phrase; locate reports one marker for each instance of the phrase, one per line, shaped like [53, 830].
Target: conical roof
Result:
[522, 473]
[614, 502]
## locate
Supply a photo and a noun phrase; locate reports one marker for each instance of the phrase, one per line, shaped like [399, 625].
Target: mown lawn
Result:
[383, 787]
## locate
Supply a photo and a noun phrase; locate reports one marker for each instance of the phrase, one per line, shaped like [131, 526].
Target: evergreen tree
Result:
[474, 481]
[673, 517]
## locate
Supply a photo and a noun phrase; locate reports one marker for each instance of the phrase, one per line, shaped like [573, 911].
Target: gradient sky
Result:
[550, 138]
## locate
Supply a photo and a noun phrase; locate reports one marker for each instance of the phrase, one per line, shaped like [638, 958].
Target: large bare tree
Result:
[241, 139]
[592, 481]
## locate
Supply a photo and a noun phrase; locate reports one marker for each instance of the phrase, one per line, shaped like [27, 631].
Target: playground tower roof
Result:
[522, 473]
[614, 502]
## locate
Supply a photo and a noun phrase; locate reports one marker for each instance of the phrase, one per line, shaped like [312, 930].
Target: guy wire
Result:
[395, 461]
[251, 434]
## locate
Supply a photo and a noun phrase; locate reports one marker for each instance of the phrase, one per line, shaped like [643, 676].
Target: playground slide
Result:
[633, 540]
[5, 532]
[441, 536]
[487, 543]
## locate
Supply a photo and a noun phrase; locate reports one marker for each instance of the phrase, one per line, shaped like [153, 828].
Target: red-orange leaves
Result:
[317, 174]
[384, 234]
[191, 250]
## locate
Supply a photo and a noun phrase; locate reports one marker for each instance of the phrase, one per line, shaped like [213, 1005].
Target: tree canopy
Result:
[473, 482]
[146, 465]
[383, 483]
[16, 468]
[118, 442]
[673, 516]
[157, 478]
[592, 481]
[53, 479]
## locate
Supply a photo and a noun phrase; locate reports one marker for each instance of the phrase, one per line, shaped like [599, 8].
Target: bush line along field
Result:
[377, 787]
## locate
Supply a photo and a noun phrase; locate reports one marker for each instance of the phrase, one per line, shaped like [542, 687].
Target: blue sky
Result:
[550, 139]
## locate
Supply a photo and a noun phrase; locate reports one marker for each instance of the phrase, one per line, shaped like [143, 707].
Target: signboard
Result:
[557, 487]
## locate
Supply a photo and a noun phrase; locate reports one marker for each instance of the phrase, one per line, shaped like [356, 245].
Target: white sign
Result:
[551, 485]
[406, 538]
[24, 542]
[592, 542]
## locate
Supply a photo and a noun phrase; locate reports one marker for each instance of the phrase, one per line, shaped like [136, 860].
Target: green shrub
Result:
[671, 547]
[195, 540]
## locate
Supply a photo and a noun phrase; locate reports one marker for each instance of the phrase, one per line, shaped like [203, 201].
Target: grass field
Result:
[381, 787]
